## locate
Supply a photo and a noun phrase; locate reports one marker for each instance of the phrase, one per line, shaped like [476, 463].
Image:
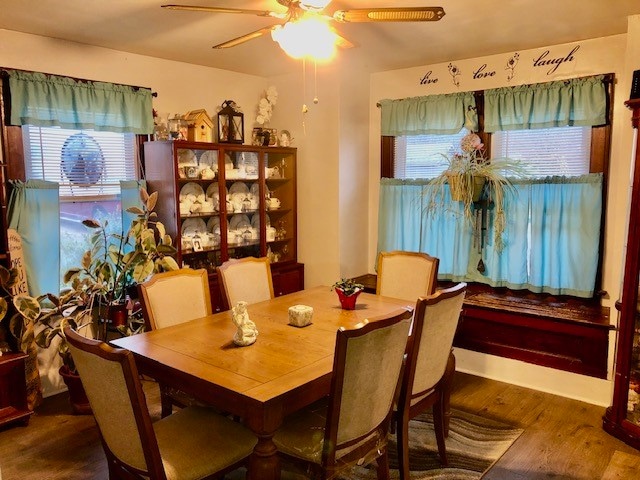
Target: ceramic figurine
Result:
[247, 331]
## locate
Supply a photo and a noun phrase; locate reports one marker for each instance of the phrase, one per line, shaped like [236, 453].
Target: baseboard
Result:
[579, 387]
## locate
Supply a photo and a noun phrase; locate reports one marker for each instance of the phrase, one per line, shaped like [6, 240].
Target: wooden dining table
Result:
[286, 369]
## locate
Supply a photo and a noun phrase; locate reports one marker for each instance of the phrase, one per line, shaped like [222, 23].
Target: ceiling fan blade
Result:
[409, 14]
[197, 8]
[243, 38]
[341, 41]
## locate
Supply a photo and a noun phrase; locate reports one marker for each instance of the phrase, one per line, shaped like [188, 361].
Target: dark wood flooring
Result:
[563, 438]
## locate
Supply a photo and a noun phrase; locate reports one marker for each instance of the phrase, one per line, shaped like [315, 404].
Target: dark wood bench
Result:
[564, 333]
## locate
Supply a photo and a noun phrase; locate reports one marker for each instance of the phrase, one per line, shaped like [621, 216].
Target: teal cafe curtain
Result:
[575, 102]
[130, 197]
[48, 100]
[34, 211]
[432, 114]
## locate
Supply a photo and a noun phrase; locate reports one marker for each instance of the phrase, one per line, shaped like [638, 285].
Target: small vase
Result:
[348, 302]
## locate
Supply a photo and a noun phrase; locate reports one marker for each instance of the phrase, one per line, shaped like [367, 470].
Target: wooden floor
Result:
[563, 438]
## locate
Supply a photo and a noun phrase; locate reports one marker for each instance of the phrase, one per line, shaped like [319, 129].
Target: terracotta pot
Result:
[77, 395]
[348, 302]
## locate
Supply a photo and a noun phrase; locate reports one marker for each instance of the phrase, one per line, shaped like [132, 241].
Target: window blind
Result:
[421, 156]
[546, 152]
[85, 163]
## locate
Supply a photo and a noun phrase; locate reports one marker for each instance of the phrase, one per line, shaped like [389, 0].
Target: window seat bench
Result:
[564, 333]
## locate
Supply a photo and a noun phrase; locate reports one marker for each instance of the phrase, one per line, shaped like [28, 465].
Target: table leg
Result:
[264, 463]
[447, 382]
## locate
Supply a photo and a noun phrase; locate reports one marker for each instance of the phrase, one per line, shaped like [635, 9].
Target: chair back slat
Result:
[246, 279]
[170, 298]
[406, 275]
[110, 379]
[435, 323]
[367, 364]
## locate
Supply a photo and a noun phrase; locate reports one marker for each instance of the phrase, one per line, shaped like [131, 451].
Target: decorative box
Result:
[300, 315]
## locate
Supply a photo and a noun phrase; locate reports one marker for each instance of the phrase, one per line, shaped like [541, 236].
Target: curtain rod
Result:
[4, 71]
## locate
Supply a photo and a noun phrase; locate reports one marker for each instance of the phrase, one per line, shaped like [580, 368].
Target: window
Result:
[422, 156]
[88, 165]
[547, 151]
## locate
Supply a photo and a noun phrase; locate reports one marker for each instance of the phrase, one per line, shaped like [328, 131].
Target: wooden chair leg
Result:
[383, 466]
[447, 383]
[439, 427]
[402, 426]
[165, 402]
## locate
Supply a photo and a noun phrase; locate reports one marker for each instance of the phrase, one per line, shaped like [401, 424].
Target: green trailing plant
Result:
[473, 179]
[347, 286]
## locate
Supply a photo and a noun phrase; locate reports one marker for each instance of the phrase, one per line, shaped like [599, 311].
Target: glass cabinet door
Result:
[199, 207]
[280, 201]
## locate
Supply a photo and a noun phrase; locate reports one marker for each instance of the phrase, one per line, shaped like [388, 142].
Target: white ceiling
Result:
[469, 29]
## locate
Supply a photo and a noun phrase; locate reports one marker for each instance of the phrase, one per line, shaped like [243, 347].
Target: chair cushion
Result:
[302, 434]
[208, 443]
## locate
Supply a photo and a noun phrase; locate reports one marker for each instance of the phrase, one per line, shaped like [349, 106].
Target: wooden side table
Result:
[13, 389]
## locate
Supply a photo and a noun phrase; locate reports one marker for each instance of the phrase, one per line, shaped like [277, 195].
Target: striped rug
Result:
[473, 446]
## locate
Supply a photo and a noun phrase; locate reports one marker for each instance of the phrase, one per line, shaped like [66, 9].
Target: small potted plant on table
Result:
[348, 291]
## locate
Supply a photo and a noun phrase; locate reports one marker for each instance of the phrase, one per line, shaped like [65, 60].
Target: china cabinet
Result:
[622, 418]
[224, 201]
[13, 389]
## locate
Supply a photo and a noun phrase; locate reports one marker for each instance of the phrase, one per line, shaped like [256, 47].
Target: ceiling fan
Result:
[298, 11]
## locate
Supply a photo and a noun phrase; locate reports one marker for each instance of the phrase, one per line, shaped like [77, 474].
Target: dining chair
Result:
[352, 427]
[173, 297]
[406, 275]
[194, 443]
[246, 279]
[170, 298]
[424, 379]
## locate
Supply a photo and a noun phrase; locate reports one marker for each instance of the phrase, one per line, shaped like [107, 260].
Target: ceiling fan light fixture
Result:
[307, 37]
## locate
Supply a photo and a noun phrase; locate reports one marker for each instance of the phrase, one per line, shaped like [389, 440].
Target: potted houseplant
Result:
[112, 266]
[474, 180]
[348, 291]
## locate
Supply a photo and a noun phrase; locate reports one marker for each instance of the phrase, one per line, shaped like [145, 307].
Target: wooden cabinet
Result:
[13, 390]
[622, 418]
[223, 201]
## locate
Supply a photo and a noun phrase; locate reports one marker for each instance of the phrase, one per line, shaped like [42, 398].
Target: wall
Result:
[588, 57]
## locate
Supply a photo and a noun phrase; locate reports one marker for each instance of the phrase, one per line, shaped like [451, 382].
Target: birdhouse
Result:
[199, 126]
[230, 123]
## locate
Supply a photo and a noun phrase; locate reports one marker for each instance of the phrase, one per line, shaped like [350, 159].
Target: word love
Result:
[542, 60]
[481, 73]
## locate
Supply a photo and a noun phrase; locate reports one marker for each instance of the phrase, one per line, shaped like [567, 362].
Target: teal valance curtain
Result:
[575, 102]
[34, 212]
[49, 100]
[431, 114]
[551, 238]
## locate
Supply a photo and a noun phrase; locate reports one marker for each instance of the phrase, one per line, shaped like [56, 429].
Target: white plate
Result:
[192, 225]
[255, 221]
[191, 188]
[255, 190]
[228, 163]
[209, 159]
[239, 187]
[212, 224]
[212, 192]
[239, 220]
[187, 158]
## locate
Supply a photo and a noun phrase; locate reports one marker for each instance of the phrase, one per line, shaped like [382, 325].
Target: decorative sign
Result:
[16, 256]
[426, 78]
[482, 72]
[544, 60]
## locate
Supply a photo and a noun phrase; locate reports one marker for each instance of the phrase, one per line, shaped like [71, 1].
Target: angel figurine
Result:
[247, 331]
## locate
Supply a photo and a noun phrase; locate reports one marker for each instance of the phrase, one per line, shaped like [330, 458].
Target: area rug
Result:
[473, 446]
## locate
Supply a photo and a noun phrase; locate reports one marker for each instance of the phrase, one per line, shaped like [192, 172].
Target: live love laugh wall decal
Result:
[546, 59]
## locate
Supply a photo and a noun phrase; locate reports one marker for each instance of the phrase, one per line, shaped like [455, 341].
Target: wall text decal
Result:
[542, 60]
[511, 66]
[483, 73]
[426, 78]
[455, 73]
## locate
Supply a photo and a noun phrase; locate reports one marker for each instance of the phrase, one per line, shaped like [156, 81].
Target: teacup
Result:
[185, 208]
[274, 203]
[271, 234]
[207, 207]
